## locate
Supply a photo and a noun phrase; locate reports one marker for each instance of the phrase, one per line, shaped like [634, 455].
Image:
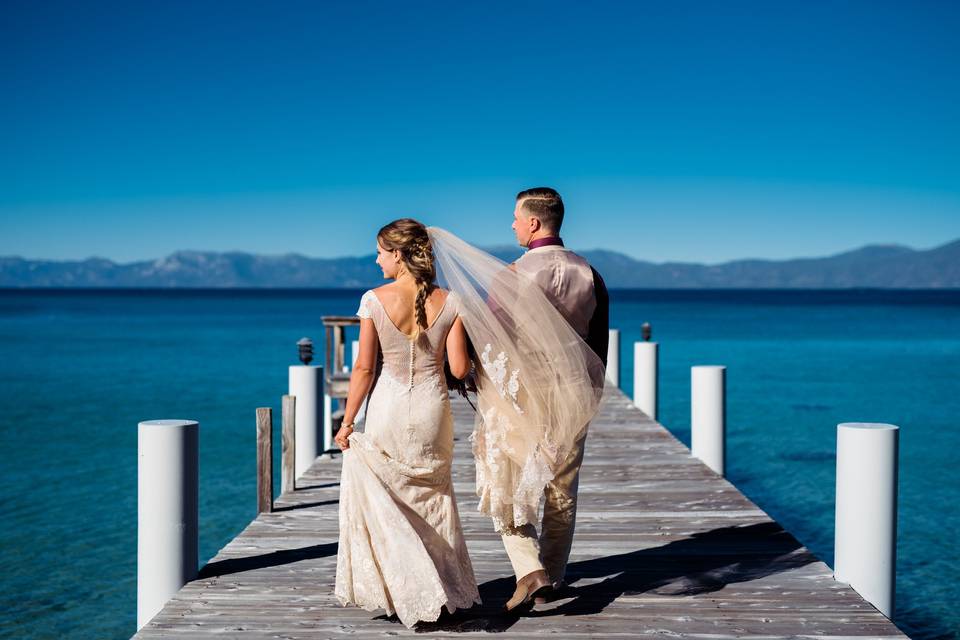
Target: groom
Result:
[579, 294]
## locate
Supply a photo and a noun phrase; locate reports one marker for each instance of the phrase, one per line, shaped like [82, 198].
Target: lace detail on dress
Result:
[497, 372]
[493, 455]
[383, 563]
[517, 502]
[365, 302]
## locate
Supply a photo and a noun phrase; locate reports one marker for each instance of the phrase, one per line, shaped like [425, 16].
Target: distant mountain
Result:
[875, 266]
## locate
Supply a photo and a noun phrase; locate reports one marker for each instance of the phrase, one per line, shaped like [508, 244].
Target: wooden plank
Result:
[663, 546]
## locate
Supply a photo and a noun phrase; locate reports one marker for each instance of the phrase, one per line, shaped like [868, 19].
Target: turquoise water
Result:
[79, 369]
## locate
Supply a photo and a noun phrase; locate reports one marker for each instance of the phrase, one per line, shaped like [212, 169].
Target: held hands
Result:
[341, 438]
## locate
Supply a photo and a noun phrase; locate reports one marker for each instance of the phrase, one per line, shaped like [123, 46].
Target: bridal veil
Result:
[539, 383]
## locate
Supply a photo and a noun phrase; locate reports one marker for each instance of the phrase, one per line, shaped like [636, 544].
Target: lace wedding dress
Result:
[401, 544]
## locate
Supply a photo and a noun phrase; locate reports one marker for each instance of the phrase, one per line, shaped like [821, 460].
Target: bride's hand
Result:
[341, 438]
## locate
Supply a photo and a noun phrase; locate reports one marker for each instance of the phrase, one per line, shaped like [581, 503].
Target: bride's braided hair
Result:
[411, 239]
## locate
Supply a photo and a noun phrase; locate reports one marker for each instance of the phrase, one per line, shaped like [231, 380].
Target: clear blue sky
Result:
[698, 131]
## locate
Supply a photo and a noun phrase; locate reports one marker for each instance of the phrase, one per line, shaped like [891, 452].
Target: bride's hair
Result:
[411, 239]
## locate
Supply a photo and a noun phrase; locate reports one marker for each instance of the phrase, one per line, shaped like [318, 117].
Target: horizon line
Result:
[488, 249]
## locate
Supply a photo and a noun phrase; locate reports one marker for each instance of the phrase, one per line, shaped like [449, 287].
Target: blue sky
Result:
[675, 131]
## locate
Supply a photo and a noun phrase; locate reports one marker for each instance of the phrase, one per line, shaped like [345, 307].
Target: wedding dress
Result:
[401, 544]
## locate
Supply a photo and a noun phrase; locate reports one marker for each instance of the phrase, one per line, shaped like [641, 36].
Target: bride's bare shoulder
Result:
[439, 295]
[385, 292]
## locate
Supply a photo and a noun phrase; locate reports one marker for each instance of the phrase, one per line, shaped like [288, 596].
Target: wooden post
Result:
[264, 460]
[338, 354]
[288, 455]
[328, 354]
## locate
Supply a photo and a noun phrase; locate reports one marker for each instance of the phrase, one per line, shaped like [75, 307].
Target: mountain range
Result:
[873, 266]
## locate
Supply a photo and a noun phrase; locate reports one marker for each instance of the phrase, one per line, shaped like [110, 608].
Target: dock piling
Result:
[645, 372]
[613, 358]
[708, 415]
[327, 424]
[264, 460]
[288, 443]
[168, 465]
[306, 384]
[865, 550]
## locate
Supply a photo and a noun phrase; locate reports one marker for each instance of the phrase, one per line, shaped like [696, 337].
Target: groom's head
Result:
[538, 214]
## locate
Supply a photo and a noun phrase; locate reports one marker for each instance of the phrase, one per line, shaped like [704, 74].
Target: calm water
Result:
[78, 370]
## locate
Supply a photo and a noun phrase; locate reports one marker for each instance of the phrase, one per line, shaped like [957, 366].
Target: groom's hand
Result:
[342, 437]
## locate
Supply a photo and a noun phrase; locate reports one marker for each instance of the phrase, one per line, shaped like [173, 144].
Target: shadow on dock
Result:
[306, 505]
[703, 563]
[272, 559]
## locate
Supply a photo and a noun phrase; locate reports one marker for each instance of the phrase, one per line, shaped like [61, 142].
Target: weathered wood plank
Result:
[663, 546]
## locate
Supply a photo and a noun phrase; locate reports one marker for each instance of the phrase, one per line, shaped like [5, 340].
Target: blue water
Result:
[79, 369]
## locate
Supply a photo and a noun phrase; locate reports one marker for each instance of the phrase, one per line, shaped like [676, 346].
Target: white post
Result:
[613, 358]
[865, 550]
[645, 359]
[708, 415]
[168, 465]
[306, 385]
[354, 352]
[327, 423]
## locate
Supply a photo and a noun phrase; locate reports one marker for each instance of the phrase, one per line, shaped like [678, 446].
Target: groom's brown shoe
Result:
[528, 587]
[554, 592]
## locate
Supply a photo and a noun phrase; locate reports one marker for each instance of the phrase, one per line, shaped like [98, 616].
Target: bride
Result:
[401, 544]
[538, 385]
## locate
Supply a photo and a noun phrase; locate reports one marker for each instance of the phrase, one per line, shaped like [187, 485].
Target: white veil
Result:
[539, 383]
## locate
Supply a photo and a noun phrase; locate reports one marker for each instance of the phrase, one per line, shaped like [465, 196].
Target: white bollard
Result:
[354, 352]
[645, 359]
[306, 385]
[327, 423]
[865, 550]
[613, 358]
[708, 415]
[168, 465]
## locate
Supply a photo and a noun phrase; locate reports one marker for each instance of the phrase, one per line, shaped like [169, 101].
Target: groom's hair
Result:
[544, 204]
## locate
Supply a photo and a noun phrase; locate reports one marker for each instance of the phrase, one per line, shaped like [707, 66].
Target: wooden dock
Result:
[663, 547]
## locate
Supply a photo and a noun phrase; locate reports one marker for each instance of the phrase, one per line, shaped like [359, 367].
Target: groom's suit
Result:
[578, 292]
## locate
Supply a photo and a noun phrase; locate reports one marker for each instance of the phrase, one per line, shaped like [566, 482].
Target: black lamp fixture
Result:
[305, 346]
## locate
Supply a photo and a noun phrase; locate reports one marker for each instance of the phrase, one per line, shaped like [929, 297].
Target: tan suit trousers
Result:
[551, 550]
